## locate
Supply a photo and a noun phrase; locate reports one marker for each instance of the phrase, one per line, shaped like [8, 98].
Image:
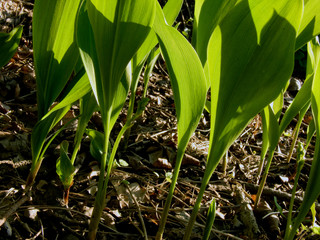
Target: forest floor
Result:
[138, 188]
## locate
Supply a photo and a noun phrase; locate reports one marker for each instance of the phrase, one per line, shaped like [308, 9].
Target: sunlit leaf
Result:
[189, 90]
[245, 75]
[55, 51]
[257, 75]
[310, 24]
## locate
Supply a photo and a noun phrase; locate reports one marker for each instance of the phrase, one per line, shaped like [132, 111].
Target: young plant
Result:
[55, 55]
[109, 33]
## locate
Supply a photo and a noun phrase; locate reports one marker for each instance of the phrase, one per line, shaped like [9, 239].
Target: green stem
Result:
[170, 194]
[100, 199]
[103, 182]
[205, 181]
[300, 161]
[294, 139]
[264, 178]
[129, 119]
[289, 219]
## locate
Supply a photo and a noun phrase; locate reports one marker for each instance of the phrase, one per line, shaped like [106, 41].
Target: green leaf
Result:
[302, 100]
[271, 132]
[88, 105]
[277, 105]
[310, 132]
[79, 87]
[210, 219]
[96, 144]
[189, 89]
[209, 16]
[64, 167]
[186, 75]
[40, 132]
[9, 43]
[273, 127]
[250, 59]
[109, 34]
[258, 75]
[55, 51]
[310, 23]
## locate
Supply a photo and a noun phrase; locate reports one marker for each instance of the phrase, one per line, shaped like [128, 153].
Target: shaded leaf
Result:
[64, 167]
[9, 43]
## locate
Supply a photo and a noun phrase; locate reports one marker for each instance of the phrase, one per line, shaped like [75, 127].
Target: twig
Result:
[14, 208]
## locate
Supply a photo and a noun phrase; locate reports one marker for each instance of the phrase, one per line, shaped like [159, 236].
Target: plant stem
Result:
[167, 205]
[129, 119]
[300, 161]
[100, 199]
[196, 207]
[289, 219]
[103, 182]
[294, 139]
[264, 178]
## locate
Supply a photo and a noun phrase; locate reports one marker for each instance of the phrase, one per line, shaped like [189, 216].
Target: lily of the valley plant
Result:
[94, 51]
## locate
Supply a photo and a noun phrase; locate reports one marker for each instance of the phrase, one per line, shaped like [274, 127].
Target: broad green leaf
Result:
[211, 13]
[189, 89]
[55, 51]
[9, 43]
[171, 11]
[109, 34]
[312, 191]
[270, 135]
[186, 75]
[64, 167]
[242, 42]
[250, 59]
[310, 24]
[277, 105]
[78, 88]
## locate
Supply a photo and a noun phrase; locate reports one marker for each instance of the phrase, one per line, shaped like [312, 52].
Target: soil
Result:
[138, 186]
